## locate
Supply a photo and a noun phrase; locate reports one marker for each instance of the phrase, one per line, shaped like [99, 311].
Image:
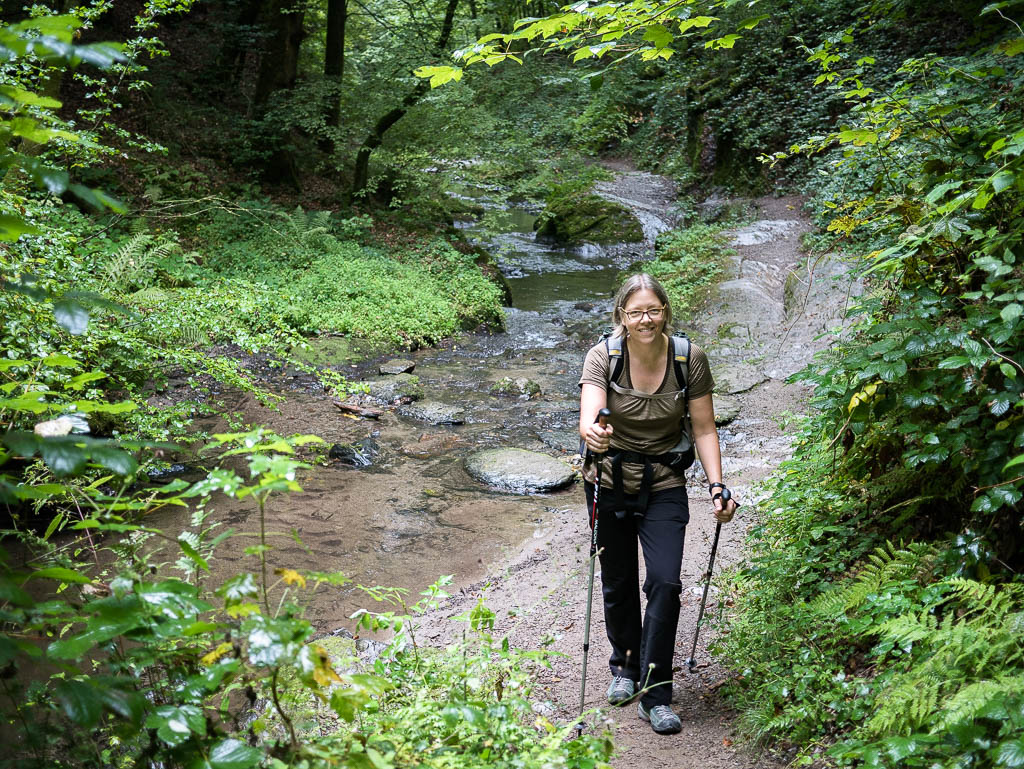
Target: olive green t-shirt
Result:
[644, 423]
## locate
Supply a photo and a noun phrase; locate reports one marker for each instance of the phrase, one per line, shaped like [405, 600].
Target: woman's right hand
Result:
[598, 438]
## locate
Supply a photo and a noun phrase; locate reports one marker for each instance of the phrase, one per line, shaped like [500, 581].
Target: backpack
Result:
[682, 455]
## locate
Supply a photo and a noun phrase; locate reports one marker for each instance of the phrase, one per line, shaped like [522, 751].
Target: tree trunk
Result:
[279, 63]
[334, 61]
[376, 136]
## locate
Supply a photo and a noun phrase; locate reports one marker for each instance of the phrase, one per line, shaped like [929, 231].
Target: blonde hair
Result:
[632, 284]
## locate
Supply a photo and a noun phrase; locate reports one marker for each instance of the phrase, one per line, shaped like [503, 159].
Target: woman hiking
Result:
[651, 382]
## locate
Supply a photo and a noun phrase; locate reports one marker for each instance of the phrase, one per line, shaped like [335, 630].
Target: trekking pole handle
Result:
[603, 416]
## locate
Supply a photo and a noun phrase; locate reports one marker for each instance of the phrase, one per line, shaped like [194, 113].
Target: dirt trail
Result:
[755, 338]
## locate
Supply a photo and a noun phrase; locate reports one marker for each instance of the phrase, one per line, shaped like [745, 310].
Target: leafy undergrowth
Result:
[878, 620]
[252, 280]
[854, 649]
[689, 263]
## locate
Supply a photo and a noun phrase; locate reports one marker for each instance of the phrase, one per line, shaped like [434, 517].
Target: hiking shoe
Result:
[621, 690]
[661, 718]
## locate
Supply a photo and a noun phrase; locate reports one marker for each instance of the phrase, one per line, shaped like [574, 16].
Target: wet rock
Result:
[747, 302]
[764, 231]
[430, 445]
[566, 441]
[520, 471]
[434, 413]
[361, 454]
[403, 387]
[737, 378]
[518, 386]
[397, 366]
[584, 306]
[578, 219]
[167, 474]
[726, 409]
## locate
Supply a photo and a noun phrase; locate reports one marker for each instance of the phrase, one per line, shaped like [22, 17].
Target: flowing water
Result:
[414, 514]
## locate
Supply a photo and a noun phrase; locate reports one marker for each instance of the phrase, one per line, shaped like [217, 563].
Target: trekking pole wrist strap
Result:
[713, 486]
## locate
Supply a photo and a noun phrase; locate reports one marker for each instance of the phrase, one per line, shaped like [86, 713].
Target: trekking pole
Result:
[692, 661]
[602, 417]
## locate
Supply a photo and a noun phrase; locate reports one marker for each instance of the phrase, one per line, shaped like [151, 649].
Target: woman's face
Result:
[643, 328]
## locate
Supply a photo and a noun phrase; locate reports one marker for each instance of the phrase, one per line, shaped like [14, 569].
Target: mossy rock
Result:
[587, 218]
[518, 386]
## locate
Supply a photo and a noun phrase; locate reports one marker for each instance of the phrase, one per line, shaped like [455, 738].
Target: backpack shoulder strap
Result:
[681, 360]
[613, 344]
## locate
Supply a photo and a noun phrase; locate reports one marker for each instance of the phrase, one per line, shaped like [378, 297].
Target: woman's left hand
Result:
[724, 513]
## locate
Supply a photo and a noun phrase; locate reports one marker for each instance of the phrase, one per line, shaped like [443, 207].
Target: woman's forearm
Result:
[710, 455]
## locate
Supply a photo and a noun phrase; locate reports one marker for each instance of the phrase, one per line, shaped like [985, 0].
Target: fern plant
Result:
[134, 265]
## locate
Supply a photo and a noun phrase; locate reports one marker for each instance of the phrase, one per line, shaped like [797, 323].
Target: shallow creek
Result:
[414, 514]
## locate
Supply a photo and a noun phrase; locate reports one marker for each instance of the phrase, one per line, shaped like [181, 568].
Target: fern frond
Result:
[964, 706]
[192, 336]
[125, 263]
[151, 295]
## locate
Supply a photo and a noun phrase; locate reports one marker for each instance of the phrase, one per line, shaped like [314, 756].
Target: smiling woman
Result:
[655, 386]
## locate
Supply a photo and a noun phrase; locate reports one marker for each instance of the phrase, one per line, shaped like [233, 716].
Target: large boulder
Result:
[737, 377]
[588, 218]
[519, 471]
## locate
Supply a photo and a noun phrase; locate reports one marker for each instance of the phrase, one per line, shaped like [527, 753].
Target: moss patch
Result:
[580, 218]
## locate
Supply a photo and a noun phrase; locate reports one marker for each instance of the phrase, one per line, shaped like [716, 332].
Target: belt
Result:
[670, 459]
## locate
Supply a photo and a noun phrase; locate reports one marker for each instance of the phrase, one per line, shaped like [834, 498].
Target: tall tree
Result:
[376, 136]
[334, 55]
[279, 62]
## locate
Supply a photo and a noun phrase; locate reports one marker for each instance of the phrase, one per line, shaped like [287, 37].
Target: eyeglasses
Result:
[655, 313]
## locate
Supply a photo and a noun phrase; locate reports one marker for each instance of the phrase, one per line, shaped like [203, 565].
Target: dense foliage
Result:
[848, 643]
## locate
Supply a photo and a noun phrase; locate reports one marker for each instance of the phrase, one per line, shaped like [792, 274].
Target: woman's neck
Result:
[648, 355]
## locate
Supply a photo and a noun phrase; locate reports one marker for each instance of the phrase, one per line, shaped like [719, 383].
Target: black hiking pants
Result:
[642, 649]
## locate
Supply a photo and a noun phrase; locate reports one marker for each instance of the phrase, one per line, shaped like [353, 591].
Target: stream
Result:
[414, 513]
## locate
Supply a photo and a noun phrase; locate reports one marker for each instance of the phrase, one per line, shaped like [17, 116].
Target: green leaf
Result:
[955, 361]
[659, 35]
[1011, 47]
[1002, 180]
[13, 227]
[752, 22]
[115, 460]
[439, 75]
[193, 554]
[58, 572]
[1011, 753]
[61, 360]
[858, 136]
[1011, 312]
[98, 630]
[1017, 460]
[71, 316]
[229, 754]
[82, 380]
[81, 701]
[63, 456]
